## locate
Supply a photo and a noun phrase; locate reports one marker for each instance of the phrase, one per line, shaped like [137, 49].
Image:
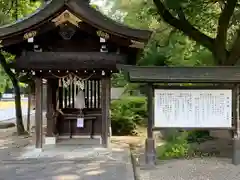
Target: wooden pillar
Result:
[105, 101]
[236, 119]
[38, 116]
[50, 109]
[109, 119]
[150, 154]
[54, 101]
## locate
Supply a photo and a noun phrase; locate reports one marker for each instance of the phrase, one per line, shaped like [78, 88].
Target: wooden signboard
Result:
[193, 108]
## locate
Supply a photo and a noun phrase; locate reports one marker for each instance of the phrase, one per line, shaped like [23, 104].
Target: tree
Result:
[213, 24]
[222, 38]
[167, 46]
[10, 12]
[14, 80]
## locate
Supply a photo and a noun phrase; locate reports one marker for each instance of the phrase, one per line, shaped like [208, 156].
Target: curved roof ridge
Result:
[99, 18]
[81, 9]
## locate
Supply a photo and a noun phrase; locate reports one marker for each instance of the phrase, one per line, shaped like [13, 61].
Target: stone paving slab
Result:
[80, 162]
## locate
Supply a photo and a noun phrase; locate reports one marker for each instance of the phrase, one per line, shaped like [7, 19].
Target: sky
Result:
[102, 5]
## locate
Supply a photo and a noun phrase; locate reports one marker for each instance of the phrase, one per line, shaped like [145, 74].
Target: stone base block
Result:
[236, 151]
[38, 150]
[50, 140]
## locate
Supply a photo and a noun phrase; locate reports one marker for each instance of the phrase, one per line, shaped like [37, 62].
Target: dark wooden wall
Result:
[92, 91]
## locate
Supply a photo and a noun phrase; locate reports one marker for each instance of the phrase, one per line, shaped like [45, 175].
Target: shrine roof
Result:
[157, 74]
[68, 60]
[80, 9]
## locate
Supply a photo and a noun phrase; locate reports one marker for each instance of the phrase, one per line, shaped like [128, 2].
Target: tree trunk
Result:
[18, 108]
[12, 76]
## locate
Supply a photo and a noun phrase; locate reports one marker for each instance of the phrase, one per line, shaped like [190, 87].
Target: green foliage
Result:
[153, 56]
[4, 79]
[10, 11]
[126, 114]
[182, 51]
[202, 14]
[123, 122]
[137, 105]
[176, 146]
[191, 38]
[118, 80]
[169, 47]
[173, 4]
[179, 143]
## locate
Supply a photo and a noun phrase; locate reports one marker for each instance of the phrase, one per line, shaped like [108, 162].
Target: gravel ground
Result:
[195, 169]
[219, 167]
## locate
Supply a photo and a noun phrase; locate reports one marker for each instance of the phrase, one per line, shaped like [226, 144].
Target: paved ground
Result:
[19, 160]
[82, 162]
[70, 163]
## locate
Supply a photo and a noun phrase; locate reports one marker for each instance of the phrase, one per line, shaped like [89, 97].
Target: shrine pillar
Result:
[51, 104]
[38, 115]
[105, 102]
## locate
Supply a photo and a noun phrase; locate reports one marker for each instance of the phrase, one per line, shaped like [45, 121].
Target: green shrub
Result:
[179, 143]
[176, 146]
[123, 123]
[127, 113]
[136, 104]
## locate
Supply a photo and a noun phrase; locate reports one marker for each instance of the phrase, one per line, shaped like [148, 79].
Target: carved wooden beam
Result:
[66, 16]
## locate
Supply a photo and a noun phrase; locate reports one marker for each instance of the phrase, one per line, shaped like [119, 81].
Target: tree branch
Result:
[181, 14]
[223, 25]
[7, 69]
[11, 6]
[234, 54]
[184, 26]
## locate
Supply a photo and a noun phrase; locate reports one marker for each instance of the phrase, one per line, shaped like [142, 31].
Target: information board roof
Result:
[154, 74]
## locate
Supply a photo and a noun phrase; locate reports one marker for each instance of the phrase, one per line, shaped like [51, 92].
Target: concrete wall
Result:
[116, 93]
[222, 134]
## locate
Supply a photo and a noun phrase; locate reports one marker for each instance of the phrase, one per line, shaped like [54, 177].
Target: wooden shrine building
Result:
[75, 48]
